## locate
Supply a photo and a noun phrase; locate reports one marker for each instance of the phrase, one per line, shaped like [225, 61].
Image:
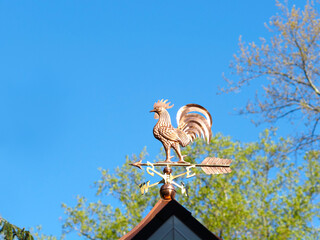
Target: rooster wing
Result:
[175, 135]
[169, 133]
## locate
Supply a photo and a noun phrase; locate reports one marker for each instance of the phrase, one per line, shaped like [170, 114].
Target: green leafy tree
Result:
[265, 197]
[97, 220]
[287, 65]
[9, 231]
[40, 236]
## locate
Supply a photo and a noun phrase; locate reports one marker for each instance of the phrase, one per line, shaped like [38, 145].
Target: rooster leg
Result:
[176, 147]
[168, 157]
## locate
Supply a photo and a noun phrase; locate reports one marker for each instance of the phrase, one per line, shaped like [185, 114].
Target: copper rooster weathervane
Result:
[193, 121]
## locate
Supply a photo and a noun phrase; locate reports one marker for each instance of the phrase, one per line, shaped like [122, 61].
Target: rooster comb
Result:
[163, 104]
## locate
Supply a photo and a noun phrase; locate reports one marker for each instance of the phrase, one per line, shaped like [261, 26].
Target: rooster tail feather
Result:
[191, 121]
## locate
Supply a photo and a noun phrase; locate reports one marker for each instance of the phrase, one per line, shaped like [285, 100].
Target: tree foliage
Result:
[98, 220]
[265, 197]
[9, 231]
[289, 66]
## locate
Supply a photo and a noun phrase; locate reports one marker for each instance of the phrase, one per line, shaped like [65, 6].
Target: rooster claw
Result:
[166, 161]
[181, 159]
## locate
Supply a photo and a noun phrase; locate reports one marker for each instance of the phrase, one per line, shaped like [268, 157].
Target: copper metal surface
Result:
[186, 164]
[191, 124]
[167, 191]
[193, 121]
[212, 165]
[167, 170]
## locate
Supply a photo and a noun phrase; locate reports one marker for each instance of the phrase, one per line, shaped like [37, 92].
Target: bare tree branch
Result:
[288, 66]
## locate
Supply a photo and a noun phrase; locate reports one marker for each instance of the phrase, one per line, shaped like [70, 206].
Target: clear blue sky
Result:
[78, 79]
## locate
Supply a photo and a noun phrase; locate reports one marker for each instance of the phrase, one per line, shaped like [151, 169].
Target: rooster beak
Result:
[156, 116]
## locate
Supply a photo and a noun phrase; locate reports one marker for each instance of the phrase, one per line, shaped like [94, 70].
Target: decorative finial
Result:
[167, 191]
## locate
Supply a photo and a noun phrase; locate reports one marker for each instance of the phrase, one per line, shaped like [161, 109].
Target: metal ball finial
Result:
[167, 170]
[167, 191]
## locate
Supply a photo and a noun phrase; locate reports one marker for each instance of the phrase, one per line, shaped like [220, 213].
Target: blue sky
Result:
[78, 79]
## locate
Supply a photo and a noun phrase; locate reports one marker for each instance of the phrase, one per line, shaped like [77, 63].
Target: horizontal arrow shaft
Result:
[180, 165]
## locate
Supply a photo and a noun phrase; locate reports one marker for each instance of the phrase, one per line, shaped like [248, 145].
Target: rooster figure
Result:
[191, 125]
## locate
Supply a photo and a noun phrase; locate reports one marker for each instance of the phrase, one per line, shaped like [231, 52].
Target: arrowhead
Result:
[136, 164]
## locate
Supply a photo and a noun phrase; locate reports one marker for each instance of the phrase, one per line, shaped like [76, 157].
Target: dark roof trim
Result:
[168, 209]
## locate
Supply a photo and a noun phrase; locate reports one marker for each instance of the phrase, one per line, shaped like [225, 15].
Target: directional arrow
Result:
[210, 165]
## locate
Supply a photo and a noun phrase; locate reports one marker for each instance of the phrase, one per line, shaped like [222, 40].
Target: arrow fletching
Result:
[223, 165]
